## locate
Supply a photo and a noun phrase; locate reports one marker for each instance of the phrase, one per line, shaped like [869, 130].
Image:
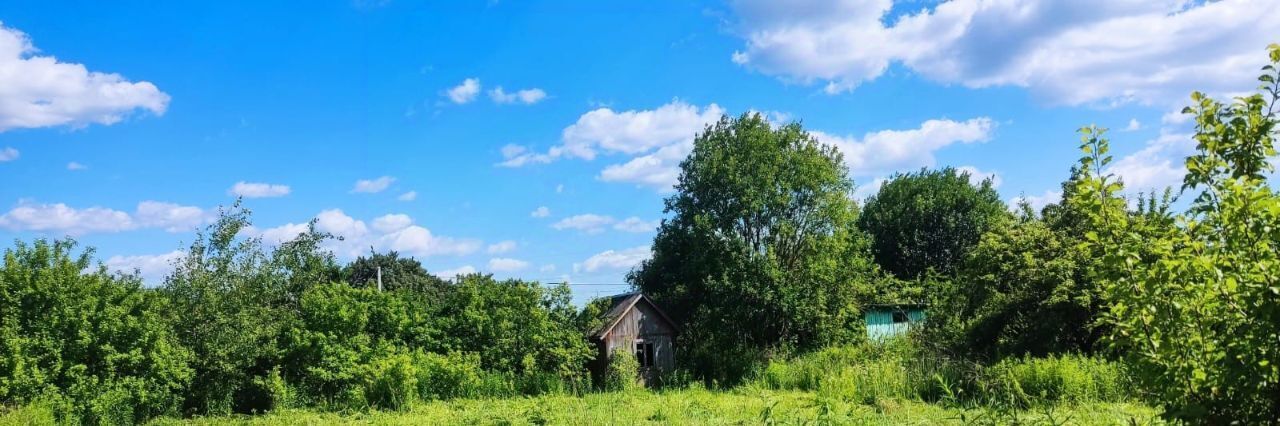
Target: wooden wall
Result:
[642, 322]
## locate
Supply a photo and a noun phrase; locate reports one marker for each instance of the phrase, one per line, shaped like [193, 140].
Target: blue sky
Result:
[537, 139]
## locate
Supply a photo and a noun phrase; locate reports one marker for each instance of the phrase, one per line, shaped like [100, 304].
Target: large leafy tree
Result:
[1194, 307]
[232, 300]
[928, 220]
[398, 273]
[760, 252]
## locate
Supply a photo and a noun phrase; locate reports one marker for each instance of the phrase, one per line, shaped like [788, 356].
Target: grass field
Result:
[694, 406]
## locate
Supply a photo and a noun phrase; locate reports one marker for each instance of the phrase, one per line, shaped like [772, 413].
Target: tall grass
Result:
[897, 371]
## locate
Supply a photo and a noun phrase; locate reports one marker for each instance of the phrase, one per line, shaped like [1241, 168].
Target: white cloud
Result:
[76, 166]
[659, 170]
[408, 196]
[541, 211]
[614, 260]
[31, 216]
[547, 268]
[39, 91]
[40, 217]
[370, 186]
[392, 223]
[887, 151]
[977, 176]
[862, 192]
[526, 96]
[152, 268]
[560, 188]
[501, 247]
[258, 190]
[1160, 164]
[656, 136]
[465, 92]
[1037, 202]
[1065, 52]
[389, 232]
[8, 154]
[585, 223]
[449, 274]
[169, 216]
[1134, 124]
[502, 264]
[635, 224]
[635, 132]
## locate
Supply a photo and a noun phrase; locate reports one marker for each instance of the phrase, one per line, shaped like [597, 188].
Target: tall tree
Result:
[398, 273]
[1194, 306]
[760, 252]
[929, 220]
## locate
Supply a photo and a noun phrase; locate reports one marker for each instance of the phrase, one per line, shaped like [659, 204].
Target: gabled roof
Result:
[618, 307]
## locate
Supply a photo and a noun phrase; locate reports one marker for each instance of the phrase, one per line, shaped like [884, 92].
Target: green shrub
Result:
[456, 375]
[623, 373]
[95, 346]
[1067, 378]
[390, 382]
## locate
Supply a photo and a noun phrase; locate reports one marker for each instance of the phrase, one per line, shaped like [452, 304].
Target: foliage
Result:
[1022, 290]
[232, 301]
[929, 220]
[397, 273]
[93, 346]
[1194, 306]
[760, 253]
[514, 326]
[623, 373]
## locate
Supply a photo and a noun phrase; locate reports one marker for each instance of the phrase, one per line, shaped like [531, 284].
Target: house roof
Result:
[618, 307]
[903, 305]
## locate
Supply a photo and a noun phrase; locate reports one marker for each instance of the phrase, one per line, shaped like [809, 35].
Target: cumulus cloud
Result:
[541, 211]
[977, 176]
[635, 224]
[1158, 165]
[408, 196]
[449, 274]
[525, 96]
[258, 190]
[39, 91]
[501, 247]
[76, 166]
[502, 264]
[585, 223]
[370, 186]
[886, 151]
[614, 260]
[58, 217]
[464, 92]
[1037, 202]
[1134, 124]
[152, 268]
[1064, 52]
[389, 232]
[8, 154]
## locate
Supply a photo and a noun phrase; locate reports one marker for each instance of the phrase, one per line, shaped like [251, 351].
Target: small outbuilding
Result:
[634, 323]
[892, 319]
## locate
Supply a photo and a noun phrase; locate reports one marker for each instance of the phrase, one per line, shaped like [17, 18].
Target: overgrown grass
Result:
[880, 384]
[895, 370]
[746, 405]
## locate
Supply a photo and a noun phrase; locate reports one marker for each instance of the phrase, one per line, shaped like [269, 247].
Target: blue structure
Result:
[888, 320]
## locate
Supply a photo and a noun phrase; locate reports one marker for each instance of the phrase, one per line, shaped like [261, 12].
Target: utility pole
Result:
[379, 279]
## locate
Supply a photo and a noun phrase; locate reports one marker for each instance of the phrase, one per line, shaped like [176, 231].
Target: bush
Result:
[94, 346]
[623, 373]
[455, 375]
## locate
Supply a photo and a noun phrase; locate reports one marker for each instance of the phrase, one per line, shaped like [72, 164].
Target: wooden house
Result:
[892, 319]
[633, 323]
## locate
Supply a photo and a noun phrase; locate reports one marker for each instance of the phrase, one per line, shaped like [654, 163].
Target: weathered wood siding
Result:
[880, 323]
[641, 322]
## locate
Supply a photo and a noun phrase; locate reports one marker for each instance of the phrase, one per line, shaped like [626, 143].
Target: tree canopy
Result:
[928, 220]
[760, 252]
